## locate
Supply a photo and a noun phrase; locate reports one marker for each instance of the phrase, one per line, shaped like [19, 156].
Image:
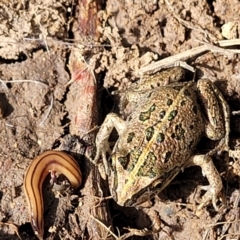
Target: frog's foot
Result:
[111, 121]
[102, 150]
[214, 190]
[210, 195]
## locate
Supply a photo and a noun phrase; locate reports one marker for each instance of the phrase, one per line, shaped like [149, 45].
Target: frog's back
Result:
[162, 131]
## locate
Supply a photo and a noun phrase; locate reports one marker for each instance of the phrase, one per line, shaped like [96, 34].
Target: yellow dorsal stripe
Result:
[146, 150]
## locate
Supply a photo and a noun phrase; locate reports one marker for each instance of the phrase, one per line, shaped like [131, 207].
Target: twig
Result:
[218, 49]
[104, 226]
[230, 42]
[170, 61]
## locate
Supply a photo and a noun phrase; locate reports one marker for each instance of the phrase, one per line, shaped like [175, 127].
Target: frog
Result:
[158, 139]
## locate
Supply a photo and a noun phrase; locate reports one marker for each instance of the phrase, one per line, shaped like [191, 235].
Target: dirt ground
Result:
[38, 105]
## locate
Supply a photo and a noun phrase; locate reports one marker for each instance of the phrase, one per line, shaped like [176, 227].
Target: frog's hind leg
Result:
[214, 189]
[218, 114]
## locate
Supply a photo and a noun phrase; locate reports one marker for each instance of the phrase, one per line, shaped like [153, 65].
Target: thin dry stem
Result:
[170, 61]
[104, 226]
[230, 42]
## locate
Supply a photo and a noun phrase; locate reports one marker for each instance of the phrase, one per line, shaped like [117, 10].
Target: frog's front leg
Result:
[214, 189]
[111, 121]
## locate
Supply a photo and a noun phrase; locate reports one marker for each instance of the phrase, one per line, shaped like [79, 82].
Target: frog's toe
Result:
[102, 150]
[209, 196]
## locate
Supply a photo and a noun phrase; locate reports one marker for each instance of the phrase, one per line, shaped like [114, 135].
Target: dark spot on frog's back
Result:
[169, 102]
[162, 114]
[179, 132]
[183, 102]
[148, 168]
[149, 133]
[160, 137]
[152, 108]
[133, 159]
[172, 115]
[146, 115]
[129, 161]
[130, 137]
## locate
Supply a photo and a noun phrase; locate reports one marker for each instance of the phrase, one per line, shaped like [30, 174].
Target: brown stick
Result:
[85, 119]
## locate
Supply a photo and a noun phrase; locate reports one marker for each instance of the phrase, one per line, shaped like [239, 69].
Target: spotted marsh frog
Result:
[159, 138]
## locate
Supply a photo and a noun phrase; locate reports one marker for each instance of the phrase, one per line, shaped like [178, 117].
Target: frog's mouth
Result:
[139, 198]
[151, 190]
